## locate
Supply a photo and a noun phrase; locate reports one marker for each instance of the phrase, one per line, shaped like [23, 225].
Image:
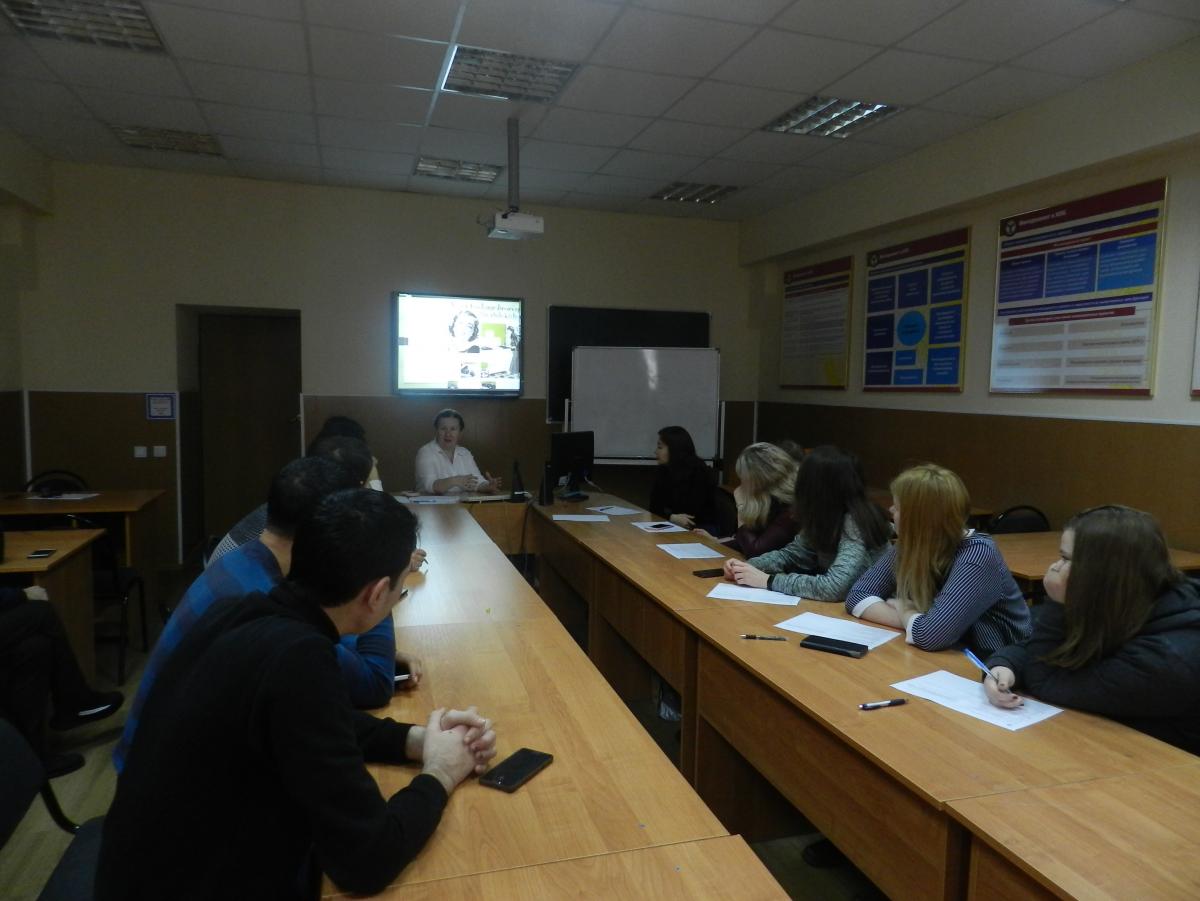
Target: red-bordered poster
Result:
[815, 329]
[1077, 295]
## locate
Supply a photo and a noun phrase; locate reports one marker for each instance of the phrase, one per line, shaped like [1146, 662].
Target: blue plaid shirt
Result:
[367, 661]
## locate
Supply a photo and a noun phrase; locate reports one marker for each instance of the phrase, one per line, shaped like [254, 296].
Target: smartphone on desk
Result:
[516, 769]
[41, 553]
[713, 573]
[834, 646]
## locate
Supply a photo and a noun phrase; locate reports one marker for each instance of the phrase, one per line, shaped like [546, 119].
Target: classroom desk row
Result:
[889, 787]
[611, 815]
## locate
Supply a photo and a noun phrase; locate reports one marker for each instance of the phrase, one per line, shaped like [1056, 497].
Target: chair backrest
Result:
[23, 777]
[56, 481]
[1021, 518]
[726, 512]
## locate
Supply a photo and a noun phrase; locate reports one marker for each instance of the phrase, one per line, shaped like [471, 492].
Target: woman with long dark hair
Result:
[683, 485]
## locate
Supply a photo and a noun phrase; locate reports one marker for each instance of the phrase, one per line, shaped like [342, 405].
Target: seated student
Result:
[683, 484]
[1119, 635]
[764, 500]
[942, 584]
[443, 467]
[37, 665]
[246, 777]
[839, 533]
[367, 661]
[345, 427]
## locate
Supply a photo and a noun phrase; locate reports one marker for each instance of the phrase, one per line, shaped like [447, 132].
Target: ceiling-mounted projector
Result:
[515, 226]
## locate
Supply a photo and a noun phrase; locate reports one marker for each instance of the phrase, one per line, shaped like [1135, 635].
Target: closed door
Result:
[249, 410]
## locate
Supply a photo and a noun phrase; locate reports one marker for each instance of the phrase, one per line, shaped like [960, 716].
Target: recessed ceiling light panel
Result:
[457, 170]
[828, 117]
[109, 23]
[167, 139]
[691, 192]
[506, 76]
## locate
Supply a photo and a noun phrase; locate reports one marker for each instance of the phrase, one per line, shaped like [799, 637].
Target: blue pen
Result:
[983, 666]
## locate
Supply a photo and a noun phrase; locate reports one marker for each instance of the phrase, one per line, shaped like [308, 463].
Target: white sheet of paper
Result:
[484, 498]
[580, 517]
[729, 592]
[66, 497]
[830, 627]
[966, 696]
[614, 510]
[691, 551]
[427, 499]
[658, 527]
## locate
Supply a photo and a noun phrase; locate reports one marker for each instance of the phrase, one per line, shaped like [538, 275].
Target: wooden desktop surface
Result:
[1029, 554]
[1115, 839]
[683, 871]
[67, 577]
[105, 501]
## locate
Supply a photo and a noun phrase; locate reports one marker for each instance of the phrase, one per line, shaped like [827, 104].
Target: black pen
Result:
[765, 637]
[876, 705]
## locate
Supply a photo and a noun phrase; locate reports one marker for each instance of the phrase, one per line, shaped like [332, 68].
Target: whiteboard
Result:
[626, 394]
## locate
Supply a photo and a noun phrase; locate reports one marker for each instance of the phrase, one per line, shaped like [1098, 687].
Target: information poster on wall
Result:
[815, 330]
[1077, 295]
[916, 314]
[1196, 361]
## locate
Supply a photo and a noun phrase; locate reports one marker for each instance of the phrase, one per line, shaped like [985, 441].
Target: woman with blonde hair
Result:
[767, 483]
[1119, 635]
[943, 585]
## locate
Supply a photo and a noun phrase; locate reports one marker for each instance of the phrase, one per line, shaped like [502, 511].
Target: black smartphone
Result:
[834, 646]
[40, 553]
[516, 769]
[708, 573]
[660, 525]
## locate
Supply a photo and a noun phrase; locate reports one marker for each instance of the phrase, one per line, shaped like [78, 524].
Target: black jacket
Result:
[684, 489]
[1151, 683]
[246, 777]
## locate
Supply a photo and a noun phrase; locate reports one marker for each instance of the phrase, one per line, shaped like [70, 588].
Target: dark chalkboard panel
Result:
[571, 327]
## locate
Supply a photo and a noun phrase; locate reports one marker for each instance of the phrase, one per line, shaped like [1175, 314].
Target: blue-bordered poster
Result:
[917, 314]
[814, 333]
[1077, 295]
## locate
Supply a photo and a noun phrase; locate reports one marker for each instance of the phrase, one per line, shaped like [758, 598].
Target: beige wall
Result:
[24, 173]
[125, 246]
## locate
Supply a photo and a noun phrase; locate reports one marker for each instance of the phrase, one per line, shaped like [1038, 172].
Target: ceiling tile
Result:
[19, 61]
[576, 127]
[433, 19]
[359, 178]
[181, 162]
[1118, 39]
[564, 157]
[471, 146]
[918, 127]
[543, 180]
[267, 125]
[792, 62]
[112, 68]
[622, 91]
[731, 172]
[998, 30]
[749, 201]
[40, 96]
[369, 160]
[276, 152]
[752, 12]
[249, 87]
[78, 131]
[853, 155]
[670, 208]
[277, 172]
[667, 136]
[219, 37]
[427, 184]
[621, 185]
[1002, 90]
[1188, 9]
[371, 101]
[267, 9]
[642, 164]
[499, 192]
[670, 44]
[468, 113]
[357, 56]
[738, 106]
[365, 134]
[901, 77]
[803, 179]
[558, 29]
[862, 20]
[773, 147]
[121, 108]
[612, 203]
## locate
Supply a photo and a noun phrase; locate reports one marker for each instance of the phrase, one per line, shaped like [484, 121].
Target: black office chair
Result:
[24, 777]
[725, 508]
[1021, 518]
[55, 481]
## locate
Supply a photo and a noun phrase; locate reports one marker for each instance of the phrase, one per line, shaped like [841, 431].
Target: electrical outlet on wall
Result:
[160, 451]
[139, 452]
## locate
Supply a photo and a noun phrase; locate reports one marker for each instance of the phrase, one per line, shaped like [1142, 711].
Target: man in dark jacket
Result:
[246, 776]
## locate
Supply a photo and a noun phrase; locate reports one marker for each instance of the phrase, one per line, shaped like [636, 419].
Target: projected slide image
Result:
[449, 344]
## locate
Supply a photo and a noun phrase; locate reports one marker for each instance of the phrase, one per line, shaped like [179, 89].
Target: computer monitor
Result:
[571, 456]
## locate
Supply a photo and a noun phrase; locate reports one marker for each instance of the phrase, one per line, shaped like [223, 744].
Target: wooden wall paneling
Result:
[1059, 465]
[191, 472]
[739, 431]
[12, 441]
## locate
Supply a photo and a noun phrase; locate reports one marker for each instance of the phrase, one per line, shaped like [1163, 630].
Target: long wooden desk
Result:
[683, 871]
[67, 577]
[1115, 839]
[1029, 554]
[128, 504]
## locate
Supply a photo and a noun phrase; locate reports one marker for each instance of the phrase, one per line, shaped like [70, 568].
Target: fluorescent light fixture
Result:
[828, 117]
[109, 23]
[690, 192]
[457, 170]
[168, 140]
[506, 76]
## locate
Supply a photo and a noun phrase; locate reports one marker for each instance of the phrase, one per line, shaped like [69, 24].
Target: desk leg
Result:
[70, 590]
